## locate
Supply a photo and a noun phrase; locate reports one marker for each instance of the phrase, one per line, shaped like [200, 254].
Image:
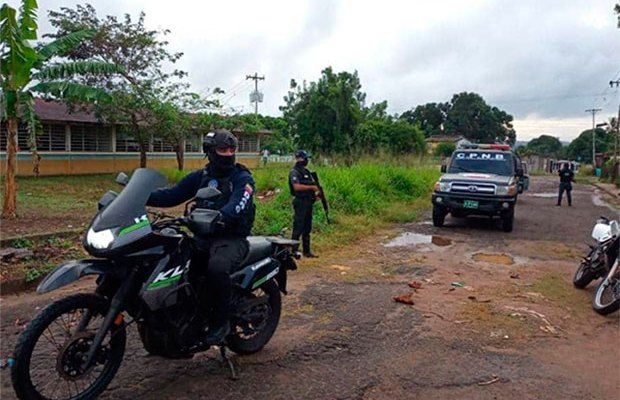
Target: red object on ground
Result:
[405, 299]
[415, 285]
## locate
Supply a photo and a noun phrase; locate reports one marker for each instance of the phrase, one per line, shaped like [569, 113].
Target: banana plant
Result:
[26, 71]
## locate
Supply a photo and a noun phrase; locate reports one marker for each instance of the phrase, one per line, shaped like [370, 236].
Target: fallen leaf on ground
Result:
[404, 299]
[515, 275]
[415, 285]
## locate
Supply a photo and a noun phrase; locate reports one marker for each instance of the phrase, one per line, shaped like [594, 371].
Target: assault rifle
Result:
[315, 177]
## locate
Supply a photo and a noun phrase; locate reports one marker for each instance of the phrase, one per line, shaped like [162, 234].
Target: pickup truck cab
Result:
[479, 181]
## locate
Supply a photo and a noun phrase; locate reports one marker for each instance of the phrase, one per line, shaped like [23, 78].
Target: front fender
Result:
[71, 271]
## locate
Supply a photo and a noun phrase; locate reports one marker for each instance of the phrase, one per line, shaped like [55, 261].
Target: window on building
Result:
[248, 144]
[193, 144]
[91, 138]
[52, 138]
[22, 137]
[125, 141]
[162, 145]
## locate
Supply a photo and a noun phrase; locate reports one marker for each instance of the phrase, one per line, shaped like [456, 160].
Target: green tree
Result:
[27, 70]
[140, 52]
[445, 149]
[469, 115]
[323, 115]
[430, 117]
[581, 148]
[545, 145]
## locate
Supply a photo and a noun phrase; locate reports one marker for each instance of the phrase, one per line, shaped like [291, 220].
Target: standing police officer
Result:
[566, 177]
[305, 190]
[220, 254]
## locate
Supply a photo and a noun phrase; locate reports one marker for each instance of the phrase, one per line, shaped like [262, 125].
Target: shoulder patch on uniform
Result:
[249, 189]
[212, 183]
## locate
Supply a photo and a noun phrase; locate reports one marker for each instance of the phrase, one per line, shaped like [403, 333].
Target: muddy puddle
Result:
[543, 195]
[414, 239]
[491, 258]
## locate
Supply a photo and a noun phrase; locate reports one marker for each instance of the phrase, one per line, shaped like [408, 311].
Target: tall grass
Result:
[360, 196]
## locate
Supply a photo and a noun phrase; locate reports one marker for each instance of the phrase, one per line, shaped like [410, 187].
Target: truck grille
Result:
[472, 188]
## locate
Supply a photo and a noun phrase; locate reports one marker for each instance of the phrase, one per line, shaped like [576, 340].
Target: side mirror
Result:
[208, 193]
[122, 178]
[443, 169]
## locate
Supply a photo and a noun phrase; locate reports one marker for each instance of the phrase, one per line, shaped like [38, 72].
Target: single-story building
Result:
[77, 143]
[434, 140]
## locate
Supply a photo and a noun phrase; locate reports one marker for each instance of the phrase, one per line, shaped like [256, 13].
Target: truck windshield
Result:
[483, 162]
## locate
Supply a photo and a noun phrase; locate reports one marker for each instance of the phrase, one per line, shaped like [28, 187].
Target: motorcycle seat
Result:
[258, 248]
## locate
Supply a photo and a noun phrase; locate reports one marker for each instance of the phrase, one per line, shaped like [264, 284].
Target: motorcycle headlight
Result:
[100, 240]
[442, 186]
[506, 190]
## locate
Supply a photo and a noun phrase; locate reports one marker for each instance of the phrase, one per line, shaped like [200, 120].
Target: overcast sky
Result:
[544, 62]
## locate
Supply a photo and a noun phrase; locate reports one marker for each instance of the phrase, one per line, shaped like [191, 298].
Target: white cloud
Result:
[545, 62]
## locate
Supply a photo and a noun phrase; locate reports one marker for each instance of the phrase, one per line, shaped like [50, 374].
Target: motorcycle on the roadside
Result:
[598, 261]
[74, 347]
[602, 261]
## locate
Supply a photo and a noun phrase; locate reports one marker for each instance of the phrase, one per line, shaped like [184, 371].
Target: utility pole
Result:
[617, 84]
[255, 97]
[593, 111]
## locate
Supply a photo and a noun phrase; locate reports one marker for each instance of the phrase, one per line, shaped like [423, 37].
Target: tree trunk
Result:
[143, 155]
[9, 203]
[180, 152]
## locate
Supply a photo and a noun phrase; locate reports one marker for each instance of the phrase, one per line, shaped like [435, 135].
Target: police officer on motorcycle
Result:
[218, 256]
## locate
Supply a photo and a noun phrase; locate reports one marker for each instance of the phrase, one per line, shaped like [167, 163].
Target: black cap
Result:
[217, 139]
[301, 154]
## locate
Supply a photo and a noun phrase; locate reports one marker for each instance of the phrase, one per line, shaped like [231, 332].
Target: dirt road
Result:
[496, 317]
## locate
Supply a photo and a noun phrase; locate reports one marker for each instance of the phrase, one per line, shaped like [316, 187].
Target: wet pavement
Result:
[472, 332]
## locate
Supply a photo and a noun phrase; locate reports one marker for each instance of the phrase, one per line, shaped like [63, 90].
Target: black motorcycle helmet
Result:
[220, 139]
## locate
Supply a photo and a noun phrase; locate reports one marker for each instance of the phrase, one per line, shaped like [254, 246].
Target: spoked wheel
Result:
[50, 353]
[607, 296]
[257, 319]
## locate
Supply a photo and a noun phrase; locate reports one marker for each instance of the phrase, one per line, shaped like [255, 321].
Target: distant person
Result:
[265, 157]
[566, 177]
[305, 190]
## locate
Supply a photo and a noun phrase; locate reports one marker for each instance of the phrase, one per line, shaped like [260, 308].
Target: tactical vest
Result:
[224, 185]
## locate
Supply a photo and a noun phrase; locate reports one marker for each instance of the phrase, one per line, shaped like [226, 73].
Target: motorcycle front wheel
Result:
[606, 299]
[584, 275]
[50, 353]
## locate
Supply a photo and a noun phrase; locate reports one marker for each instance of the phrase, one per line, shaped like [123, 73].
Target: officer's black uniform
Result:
[302, 203]
[224, 252]
[566, 177]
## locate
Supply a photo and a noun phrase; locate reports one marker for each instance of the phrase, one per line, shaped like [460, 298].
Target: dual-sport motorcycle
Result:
[602, 262]
[73, 348]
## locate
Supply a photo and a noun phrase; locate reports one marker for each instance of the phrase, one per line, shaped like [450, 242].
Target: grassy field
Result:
[363, 198]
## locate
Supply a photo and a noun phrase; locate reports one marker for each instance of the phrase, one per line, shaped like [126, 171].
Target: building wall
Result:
[65, 163]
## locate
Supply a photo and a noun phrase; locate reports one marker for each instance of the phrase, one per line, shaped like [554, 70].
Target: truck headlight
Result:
[442, 186]
[506, 190]
[100, 240]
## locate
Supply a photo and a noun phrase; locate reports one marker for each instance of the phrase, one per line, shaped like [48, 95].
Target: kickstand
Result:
[231, 366]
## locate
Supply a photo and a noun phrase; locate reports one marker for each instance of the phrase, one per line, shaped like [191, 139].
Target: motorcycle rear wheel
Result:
[243, 343]
[64, 348]
[606, 299]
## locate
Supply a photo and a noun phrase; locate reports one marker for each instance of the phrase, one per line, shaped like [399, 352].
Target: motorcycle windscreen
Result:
[129, 207]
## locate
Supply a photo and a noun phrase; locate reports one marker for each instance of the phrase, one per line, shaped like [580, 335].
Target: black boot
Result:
[306, 245]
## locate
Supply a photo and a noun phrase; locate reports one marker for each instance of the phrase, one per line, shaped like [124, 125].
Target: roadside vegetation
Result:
[363, 198]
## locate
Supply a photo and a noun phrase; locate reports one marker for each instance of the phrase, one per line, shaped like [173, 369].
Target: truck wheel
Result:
[439, 216]
[508, 222]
